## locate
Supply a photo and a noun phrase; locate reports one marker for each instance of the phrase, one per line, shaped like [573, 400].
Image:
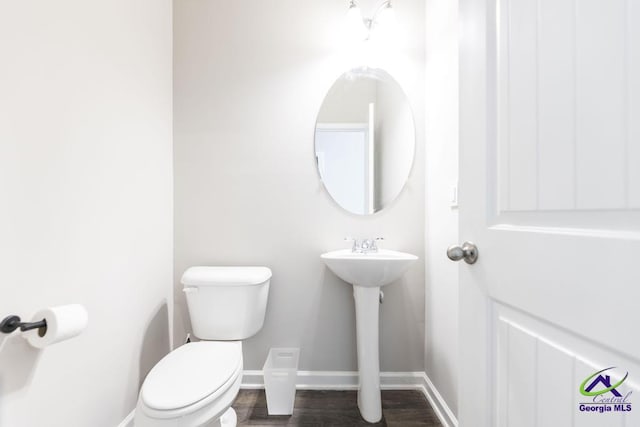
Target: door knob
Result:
[468, 252]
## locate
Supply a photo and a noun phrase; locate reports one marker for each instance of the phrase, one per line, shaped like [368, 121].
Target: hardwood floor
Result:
[400, 408]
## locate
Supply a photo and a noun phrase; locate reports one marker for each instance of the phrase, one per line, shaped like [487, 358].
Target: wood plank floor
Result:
[400, 408]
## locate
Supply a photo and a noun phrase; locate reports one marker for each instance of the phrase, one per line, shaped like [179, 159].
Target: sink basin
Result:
[367, 273]
[372, 269]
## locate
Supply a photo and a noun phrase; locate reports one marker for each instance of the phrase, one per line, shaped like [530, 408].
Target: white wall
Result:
[250, 77]
[441, 98]
[86, 217]
[395, 128]
[338, 107]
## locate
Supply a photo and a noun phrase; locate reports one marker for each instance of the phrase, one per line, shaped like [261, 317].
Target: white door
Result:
[343, 156]
[550, 194]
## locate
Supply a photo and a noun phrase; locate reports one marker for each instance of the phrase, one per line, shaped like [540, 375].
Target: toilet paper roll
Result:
[63, 322]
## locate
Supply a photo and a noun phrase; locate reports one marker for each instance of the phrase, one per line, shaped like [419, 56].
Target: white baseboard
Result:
[339, 380]
[128, 421]
[440, 407]
[347, 380]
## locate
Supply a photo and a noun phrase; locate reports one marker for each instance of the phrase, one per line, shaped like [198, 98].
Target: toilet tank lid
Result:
[225, 276]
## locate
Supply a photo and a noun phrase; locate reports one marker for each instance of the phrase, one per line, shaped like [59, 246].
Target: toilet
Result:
[196, 384]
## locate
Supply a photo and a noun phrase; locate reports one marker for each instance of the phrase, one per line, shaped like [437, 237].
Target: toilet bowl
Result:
[192, 385]
[195, 385]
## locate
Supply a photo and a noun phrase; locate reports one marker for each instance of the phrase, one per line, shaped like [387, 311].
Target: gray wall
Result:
[86, 190]
[394, 128]
[250, 77]
[441, 354]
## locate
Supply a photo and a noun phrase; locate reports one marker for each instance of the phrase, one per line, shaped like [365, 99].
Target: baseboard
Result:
[340, 380]
[440, 407]
[348, 380]
[128, 421]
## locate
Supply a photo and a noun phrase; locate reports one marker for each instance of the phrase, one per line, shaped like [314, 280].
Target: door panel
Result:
[563, 81]
[541, 367]
[550, 165]
[555, 97]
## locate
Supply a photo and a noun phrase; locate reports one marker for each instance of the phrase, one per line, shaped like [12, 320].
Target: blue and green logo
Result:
[605, 380]
[605, 396]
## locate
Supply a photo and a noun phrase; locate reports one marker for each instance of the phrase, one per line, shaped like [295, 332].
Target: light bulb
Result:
[386, 18]
[384, 28]
[355, 28]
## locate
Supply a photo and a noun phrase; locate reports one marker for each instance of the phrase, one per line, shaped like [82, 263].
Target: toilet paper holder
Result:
[13, 322]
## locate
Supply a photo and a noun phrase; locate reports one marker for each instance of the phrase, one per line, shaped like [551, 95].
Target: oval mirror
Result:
[364, 140]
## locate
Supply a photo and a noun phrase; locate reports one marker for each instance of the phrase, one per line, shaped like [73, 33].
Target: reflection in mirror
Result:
[364, 140]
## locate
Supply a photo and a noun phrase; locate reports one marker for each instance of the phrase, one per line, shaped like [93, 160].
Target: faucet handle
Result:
[354, 246]
[373, 244]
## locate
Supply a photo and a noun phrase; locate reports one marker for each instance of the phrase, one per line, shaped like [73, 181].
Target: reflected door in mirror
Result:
[345, 162]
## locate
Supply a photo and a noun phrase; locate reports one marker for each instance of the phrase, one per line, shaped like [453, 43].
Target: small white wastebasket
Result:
[280, 373]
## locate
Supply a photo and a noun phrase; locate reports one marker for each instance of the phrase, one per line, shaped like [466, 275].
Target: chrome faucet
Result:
[364, 246]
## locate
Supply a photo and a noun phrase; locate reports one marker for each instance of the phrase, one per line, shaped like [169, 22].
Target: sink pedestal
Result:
[367, 272]
[367, 314]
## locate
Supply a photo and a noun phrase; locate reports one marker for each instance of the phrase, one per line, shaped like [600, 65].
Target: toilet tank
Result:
[226, 303]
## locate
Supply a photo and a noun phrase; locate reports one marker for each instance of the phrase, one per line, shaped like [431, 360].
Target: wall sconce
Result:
[360, 28]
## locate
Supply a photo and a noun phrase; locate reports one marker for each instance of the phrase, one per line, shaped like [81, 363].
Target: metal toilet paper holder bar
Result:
[13, 322]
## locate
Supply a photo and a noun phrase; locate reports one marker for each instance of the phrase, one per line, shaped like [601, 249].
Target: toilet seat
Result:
[191, 377]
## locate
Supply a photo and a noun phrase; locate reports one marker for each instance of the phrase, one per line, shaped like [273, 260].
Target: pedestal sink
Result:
[367, 272]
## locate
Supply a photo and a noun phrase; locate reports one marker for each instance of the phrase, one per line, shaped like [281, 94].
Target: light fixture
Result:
[355, 24]
[383, 20]
[385, 16]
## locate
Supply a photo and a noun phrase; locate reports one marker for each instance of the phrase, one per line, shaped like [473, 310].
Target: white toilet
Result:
[196, 384]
